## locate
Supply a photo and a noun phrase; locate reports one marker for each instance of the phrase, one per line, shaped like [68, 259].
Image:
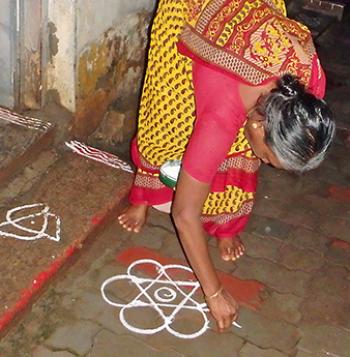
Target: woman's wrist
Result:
[211, 289]
[214, 295]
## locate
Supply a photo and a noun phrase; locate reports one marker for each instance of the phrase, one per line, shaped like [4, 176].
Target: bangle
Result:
[217, 293]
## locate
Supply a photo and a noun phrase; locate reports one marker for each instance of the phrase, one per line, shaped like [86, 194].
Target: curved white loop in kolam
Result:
[109, 281]
[162, 271]
[42, 213]
[58, 230]
[35, 234]
[145, 331]
[165, 325]
[165, 294]
[162, 302]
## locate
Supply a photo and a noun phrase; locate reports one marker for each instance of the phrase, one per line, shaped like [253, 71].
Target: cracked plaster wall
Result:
[6, 54]
[30, 54]
[61, 51]
[96, 59]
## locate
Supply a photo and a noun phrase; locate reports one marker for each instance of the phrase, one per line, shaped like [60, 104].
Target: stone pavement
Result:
[66, 191]
[298, 248]
[49, 209]
[298, 254]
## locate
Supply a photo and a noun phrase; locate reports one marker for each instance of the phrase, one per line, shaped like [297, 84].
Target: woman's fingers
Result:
[228, 323]
[225, 323]
[225, 311]
[221, 325]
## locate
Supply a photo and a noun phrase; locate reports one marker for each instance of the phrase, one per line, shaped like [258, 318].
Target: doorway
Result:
[21, 59]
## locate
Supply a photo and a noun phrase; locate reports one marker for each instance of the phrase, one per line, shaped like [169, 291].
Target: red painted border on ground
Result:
[339, 193]
[246, 292]
[37, 284]
[341, 244]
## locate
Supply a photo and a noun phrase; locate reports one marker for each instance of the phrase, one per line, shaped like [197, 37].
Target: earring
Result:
[255, 125]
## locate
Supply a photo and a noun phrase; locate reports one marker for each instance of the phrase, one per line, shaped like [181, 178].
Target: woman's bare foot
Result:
[230, 248]
[133, 218]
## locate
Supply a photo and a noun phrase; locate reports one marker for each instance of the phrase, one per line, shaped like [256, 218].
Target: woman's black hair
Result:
[299, 127]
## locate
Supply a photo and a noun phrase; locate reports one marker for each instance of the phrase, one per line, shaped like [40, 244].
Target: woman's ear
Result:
[261, 129]
[255, 127]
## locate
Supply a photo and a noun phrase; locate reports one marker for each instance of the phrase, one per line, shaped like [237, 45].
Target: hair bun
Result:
[290, 86]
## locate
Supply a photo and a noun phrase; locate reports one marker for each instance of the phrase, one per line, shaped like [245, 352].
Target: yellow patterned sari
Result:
[167, 108]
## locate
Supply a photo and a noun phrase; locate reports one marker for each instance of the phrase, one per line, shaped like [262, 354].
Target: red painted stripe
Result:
[341, 244]
[42, 278]
[246, 292]
[38, 282]
[339, 193]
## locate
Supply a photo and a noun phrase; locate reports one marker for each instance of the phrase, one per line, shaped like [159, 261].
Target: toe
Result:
[121, 220]
[125, 226]
[242, 248]
[136, 226]
[226, 254]
[238, 252]
[234, 256]
[226, 258]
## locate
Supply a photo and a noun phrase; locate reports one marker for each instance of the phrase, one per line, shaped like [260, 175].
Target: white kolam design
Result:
[159, 293]
[99, 155]
[31, 123]
[31, 214]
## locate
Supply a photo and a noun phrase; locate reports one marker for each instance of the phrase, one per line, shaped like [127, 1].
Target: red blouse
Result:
[220, 114]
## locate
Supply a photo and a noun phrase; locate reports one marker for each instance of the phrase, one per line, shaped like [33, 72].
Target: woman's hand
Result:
[187, 209]
[224, 309]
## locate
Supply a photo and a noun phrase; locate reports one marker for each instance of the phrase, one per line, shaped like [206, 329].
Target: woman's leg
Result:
[165, 115]
[225, 227]
[147, 190]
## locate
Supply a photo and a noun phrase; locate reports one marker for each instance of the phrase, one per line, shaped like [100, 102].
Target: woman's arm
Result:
[189, 199]
[218, 120]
